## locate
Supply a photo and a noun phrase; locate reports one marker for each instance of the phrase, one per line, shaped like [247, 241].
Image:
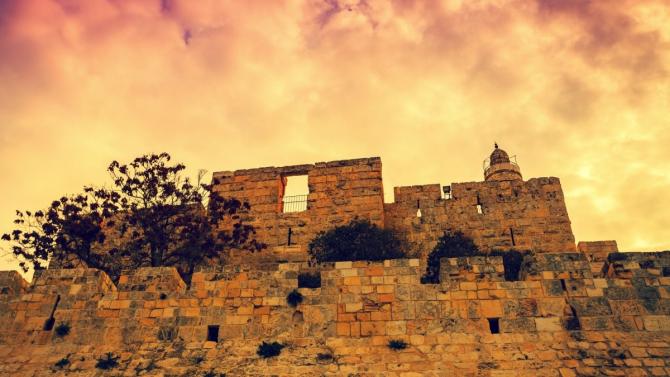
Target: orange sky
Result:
[577, 89]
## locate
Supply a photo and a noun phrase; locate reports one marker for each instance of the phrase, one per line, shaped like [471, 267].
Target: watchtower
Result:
[499, 167]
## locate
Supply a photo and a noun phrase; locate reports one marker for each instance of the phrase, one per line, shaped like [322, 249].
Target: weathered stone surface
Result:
[478, 327]
[572, 314]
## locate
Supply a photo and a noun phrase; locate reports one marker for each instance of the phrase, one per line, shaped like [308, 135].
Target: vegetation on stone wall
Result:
[267, 350]
[151, 215]
[62, 363]
[512, 261]
[62, 329]
[397, 344]
[358, 240]
[457, 245]
[109, 361]
[450, 245]
[294, 298]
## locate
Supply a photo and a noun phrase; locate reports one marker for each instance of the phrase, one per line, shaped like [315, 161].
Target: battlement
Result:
[574, 311]
[558, 318]
[500, 213]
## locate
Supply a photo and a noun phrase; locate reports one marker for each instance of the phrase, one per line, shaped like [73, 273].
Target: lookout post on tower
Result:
[499, 166]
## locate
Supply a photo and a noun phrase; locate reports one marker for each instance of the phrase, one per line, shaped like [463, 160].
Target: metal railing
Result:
[294, 203]
[486, 165]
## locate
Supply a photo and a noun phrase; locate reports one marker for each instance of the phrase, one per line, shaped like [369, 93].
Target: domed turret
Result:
[500, 167]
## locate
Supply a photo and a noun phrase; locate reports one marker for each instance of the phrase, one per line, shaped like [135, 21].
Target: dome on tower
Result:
[499, 156]
[499, 167]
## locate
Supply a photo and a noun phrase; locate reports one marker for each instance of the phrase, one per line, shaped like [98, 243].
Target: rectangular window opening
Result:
[295, 192]
[480, 210]
[213, 333]
[494, 325]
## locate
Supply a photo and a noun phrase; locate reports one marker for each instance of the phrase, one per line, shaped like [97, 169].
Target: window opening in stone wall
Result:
[446, 190]
[49, 323]
[480, 210]
[494, 325]
[418, 208]
[565, 288]
[511, 235]
[288, 236]
[213, 333]
[296, 190]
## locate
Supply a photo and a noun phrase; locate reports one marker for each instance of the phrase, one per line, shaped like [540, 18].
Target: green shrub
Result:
[324, 357]
[450, 245]
[294, 298]
[211, 373]
[62, 329]
[110, 361]
[266, 350]
[309, 280]
[397, 344]
[166, 333]
[512, 260]
[358, 240]
[457, 245]
[62, 363]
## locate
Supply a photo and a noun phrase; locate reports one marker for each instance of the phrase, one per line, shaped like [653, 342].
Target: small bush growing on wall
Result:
[512, 260]
[266, 350]
[450, 245]
[62, 363]
[294, 298]
[211, 373]
[309, 280]
[109, 361]
[166, 334]
[324, 357]
[358, 240]
[397, 345]
[62, 329]
[456, 245]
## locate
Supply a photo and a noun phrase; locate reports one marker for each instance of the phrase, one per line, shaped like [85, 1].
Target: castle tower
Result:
[500, 167]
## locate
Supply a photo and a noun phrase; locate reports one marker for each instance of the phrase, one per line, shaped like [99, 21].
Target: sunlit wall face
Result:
[577, 89]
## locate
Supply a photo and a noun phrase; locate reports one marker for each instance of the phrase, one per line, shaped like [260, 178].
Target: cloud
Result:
[577, 89]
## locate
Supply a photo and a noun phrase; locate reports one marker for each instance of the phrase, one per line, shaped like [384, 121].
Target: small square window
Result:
[213, 333]
[494, 325]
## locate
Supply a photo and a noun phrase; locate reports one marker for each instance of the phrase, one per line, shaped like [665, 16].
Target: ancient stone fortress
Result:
[584, 310]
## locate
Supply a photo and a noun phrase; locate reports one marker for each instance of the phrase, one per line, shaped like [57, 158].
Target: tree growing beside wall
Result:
[151, 216]
[450, 245]
[358, 240]
[456, 245]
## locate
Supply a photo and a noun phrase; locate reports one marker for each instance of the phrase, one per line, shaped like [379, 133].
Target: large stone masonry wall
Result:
[339, 191]
[522, 215]
[560, 321]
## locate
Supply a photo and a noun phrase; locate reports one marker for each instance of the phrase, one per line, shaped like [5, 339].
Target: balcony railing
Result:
[487, 164]
[294, 203]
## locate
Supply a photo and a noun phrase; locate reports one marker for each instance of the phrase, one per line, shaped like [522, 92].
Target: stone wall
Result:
[504, 215]
[559, 321]
[339, 191]
[523, 215]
